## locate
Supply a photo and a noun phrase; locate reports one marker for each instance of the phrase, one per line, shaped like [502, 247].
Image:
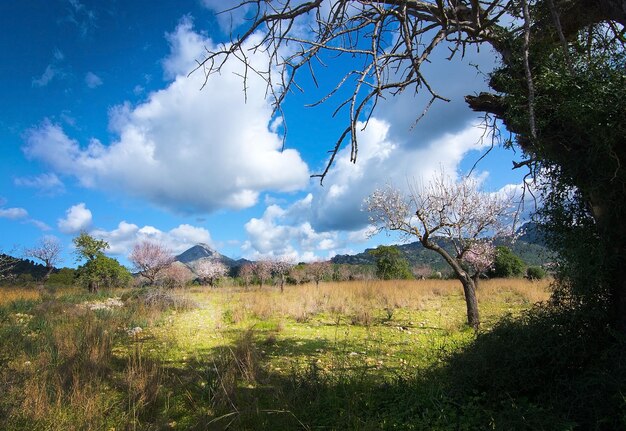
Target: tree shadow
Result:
[548, 369]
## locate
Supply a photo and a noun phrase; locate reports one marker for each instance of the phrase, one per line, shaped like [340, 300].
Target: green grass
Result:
[393, 355]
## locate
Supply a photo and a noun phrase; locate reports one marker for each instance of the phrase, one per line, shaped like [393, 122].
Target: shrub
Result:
[506, 264]
[535, 273]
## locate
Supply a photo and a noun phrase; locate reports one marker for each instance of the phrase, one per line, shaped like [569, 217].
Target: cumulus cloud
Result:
[183, 149]
[92, 80]
[287, 232]
[77, 218]
[13, 213]
[382, 160]
[178, 239]
[330, 220]
[48, 184]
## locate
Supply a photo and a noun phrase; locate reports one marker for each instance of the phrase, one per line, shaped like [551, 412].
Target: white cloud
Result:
[330, 220]
[39, 225]
[92, 80]
[178, 239]
[13, 213]
[47, 76]
[183, 149]
[77, 218]
[338, 205]
[287, 233]
[22, 215]
[48, 184]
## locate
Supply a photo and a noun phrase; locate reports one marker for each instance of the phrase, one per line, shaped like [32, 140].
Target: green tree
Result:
[98, 270]
[103, 272]
[507, 264]
[88, 247]
[391, 263]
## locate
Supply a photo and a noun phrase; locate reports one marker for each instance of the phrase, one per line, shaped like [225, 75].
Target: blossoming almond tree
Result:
[456, 211]
[150, 258]
[210, 270]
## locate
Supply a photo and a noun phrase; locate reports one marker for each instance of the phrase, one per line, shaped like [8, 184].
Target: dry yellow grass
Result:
[353, 298]
[10, 294]
[525, 290]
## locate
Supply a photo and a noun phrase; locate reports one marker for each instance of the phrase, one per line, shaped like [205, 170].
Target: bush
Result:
[535, 273]
[507, 264]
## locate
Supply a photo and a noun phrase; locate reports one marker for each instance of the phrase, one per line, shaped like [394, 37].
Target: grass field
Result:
[341, 356]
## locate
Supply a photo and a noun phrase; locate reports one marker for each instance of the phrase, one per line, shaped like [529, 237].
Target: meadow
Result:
[351, 355]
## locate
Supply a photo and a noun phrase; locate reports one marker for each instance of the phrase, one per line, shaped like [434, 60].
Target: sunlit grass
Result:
[182, 358]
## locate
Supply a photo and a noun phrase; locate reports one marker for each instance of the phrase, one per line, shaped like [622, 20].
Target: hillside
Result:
[532, 253]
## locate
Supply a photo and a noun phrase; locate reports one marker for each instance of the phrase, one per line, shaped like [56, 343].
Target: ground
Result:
[236, 358]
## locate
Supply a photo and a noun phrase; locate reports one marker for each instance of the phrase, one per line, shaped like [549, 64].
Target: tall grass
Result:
[64, 365]
[355, 300]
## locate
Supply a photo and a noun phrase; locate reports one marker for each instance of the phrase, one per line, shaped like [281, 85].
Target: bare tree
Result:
[48, 251]
[318, 271]
[457, 211]
[210, 270]
[150, 258]
[391, 40]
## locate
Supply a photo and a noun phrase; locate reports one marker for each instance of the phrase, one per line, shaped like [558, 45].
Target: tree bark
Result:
[469, 289]
[469, 286]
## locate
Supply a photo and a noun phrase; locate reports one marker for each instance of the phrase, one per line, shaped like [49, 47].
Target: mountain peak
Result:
[202, 251]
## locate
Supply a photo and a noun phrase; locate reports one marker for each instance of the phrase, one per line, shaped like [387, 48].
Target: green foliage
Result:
[506, 264]
[103, 272]
[88, 247]
[64, 277]
[536, 273]
[580, 119]
[551, 368]
[391, 263]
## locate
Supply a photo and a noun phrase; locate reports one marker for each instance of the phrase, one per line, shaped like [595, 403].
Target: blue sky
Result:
[101, 130]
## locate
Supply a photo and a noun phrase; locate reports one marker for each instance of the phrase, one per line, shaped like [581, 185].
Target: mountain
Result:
[203, 251]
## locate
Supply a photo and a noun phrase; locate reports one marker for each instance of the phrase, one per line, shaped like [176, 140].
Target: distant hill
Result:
[27, 267]
[530, 247]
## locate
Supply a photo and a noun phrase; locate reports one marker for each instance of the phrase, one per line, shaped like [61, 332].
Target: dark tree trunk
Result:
[469, 286]
[469, 289]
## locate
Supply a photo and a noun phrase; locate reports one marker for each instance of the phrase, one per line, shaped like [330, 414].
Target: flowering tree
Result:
[280, 268]
[479, 258]
[47, 250]
[210, 270]
[175, 275]
[262, 270]
[150, 258]
[246, 273]
[317, 271]
[457, 211]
